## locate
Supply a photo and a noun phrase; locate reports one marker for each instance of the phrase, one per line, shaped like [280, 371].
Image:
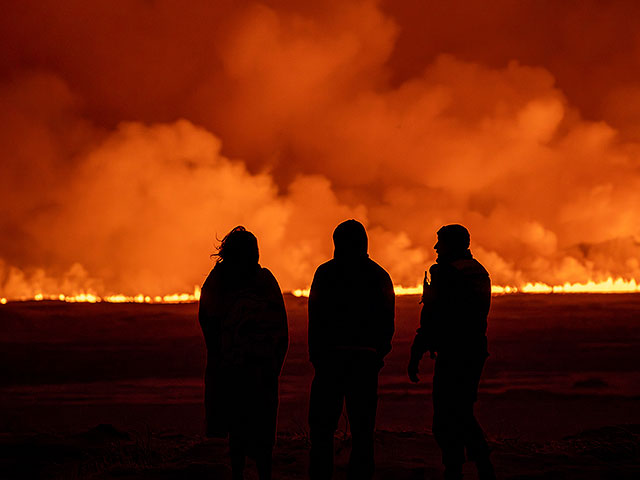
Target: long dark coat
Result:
[244, 322]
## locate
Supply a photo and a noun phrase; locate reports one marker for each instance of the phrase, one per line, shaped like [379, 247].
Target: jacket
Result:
[351, 308]
[455, 310]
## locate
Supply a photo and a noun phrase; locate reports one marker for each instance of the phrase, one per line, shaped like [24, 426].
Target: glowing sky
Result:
[134, 132]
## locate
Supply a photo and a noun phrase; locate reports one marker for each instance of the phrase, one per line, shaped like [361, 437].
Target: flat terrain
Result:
[104, 390]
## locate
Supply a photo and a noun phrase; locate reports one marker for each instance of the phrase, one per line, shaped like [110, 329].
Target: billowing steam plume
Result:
[132, 135]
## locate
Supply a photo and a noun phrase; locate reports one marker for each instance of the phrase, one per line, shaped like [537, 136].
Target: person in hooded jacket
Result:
[453, 325]
[351, 324]
[244, 323]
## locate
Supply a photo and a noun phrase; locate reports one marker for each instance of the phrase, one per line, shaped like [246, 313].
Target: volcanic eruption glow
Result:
[121, 166]
[119, 298]
[618, 285]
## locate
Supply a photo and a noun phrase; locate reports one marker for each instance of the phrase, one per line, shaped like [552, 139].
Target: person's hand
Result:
[412, 370]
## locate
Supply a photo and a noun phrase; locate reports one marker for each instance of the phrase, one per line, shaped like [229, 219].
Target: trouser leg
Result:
[449, 437]
[263, 463]
[477, 447]
[455, 388]
[474, 438]
[362, 401]
[325, 408]
[447, 427]
[237, 452]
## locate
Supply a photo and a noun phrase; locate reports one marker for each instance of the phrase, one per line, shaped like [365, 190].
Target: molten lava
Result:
[610, 285]
[119, 298]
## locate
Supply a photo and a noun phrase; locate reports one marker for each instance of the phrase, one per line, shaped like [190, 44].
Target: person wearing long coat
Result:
[244, 323]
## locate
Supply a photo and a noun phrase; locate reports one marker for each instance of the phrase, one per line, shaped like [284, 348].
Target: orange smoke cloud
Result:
[132, 139]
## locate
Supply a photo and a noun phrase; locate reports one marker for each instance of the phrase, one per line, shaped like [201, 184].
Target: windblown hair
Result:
[238, 246]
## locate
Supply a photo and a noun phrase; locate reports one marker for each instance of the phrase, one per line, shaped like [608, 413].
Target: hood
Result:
[350, 241]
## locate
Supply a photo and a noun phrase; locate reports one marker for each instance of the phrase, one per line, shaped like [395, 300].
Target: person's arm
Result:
[484, 294]
[316, 307]
[209, 321]
[425, 334]
[387, 316]
[281, 336]
[423, 341]
[478, 301]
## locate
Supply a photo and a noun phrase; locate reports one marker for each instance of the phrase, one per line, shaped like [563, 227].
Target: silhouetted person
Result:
[351, 315]
[453, 326]
[244, 323]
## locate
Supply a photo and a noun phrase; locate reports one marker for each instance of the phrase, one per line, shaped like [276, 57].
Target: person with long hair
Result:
[244, 323]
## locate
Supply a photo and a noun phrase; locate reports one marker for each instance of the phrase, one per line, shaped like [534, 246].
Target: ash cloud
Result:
[133, 136]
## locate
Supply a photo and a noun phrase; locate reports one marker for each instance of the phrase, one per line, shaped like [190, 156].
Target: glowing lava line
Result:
[119, 298]
[610, 285]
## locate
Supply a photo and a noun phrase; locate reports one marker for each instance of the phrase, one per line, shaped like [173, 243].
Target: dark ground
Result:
[107, 390]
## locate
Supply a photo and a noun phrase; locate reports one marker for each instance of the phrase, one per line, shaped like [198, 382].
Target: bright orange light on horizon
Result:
[118, 298]
[610, 285]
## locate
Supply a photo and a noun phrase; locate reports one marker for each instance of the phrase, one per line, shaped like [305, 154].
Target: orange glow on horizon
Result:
[118, 298]
[611, 285]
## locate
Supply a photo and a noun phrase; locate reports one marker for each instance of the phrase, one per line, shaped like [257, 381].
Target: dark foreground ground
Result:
[115, 391]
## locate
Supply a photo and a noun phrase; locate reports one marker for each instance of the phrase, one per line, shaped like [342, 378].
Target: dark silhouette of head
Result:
[453, 241]
[239, 248]
[350, 240]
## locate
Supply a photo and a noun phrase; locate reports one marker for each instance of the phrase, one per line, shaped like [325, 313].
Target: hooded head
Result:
[350, 240]
[453, 242]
